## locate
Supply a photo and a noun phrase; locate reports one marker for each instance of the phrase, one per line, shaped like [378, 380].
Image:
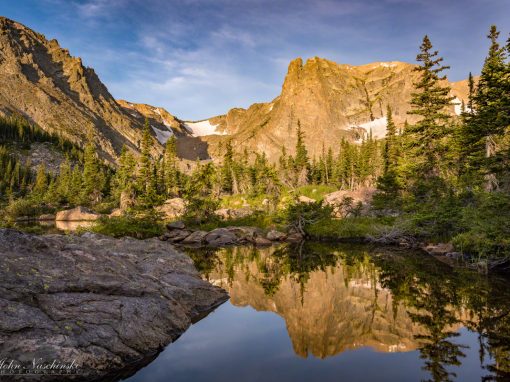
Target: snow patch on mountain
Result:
[457, 105]
[378, 127]
[201, 128]
[161, 135]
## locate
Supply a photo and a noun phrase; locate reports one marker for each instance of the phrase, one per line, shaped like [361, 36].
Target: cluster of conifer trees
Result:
[441, 154]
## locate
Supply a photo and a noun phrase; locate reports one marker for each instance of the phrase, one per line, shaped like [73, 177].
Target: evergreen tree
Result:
[41, 181]
[93, 177]
[63, 184]
[301, 161]
[227, 168]
[170, 169]
[125, 176]
[485, 129]
[390, 155]
[387, 184]
[426, 141]
[146, 183]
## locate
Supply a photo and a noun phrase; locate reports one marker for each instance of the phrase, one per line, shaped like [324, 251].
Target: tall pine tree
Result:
[426, 141]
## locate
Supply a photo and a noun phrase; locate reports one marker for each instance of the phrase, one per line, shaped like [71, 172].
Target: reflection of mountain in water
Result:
[338, 298]
[339, 308]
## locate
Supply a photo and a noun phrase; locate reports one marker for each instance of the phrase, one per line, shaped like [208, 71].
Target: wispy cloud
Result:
[201, 57]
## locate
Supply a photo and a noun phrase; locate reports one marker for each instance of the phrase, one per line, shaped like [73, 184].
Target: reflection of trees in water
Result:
[438, 298]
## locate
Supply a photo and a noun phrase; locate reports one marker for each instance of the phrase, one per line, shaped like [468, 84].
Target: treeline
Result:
[16, 129]
[16, 134]
[15, 178]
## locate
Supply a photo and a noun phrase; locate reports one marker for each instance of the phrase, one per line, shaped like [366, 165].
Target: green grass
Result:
[261, 220]
[355, 228]
[140, 228]
[315, 191]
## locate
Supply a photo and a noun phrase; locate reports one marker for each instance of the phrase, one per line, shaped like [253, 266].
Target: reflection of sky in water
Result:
[241, 344]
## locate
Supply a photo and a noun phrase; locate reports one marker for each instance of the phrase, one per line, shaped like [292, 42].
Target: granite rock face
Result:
[42, 81]
[108, 304]
[331, 101]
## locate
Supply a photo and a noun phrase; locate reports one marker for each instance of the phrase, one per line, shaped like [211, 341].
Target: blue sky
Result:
[199, 58]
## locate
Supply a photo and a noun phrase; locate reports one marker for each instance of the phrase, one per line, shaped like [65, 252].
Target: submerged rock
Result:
[109, 305]
[439, 249]
[262, 242]
[294, 237]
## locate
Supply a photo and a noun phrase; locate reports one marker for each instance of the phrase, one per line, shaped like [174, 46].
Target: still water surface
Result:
[341, 313]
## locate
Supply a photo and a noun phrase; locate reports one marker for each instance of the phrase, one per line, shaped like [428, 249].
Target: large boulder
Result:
[77, 214]
[233, 213]
[275, 235]
[246, 234]
[220, 237]
[197, 237]
[172, 208]
[107, 304]
[344, 202]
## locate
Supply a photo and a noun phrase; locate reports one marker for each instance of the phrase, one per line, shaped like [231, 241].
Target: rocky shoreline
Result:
[108, 305]
[179, 234]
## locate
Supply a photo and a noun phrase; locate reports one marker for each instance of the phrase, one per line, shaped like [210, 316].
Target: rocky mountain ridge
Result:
[331, 101]
[44, 83]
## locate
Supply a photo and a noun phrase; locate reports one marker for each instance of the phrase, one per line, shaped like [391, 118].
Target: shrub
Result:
[353, 228]
[486, 226]
[119, 226]
[301, 215]
[201, 210]
[22, 207]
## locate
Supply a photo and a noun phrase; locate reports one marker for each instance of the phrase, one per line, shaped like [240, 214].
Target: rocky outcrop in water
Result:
[108, 305]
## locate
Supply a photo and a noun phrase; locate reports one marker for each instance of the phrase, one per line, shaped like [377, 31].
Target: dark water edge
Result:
[342, 312]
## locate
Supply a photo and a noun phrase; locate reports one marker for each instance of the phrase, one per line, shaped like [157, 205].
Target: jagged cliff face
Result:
[44, 83]
[331, 101]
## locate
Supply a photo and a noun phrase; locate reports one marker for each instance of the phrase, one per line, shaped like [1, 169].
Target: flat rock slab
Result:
[108, 305]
